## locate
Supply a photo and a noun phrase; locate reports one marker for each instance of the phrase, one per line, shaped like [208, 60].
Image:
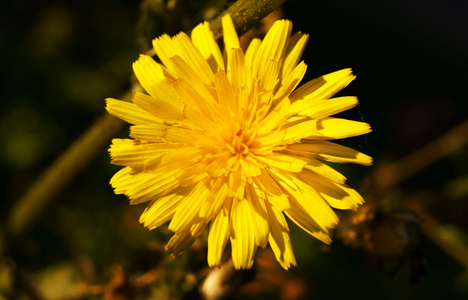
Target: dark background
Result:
[61, 59]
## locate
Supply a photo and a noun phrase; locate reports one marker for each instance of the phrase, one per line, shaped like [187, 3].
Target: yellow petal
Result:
[129, 112]
[219, 165]
[193, 99]
[336, 128]
[290, 82]
[318, 109]
[181, 45]
[306, 223]
[161, 133]
[216, 198]
[323, 87]
[242, 235]
[283, 162]
[294, 50]
[280, 240]
[142, 187]
[236, 68]
[307, 204]
[161, 210]
[203, 39]
[177, 159]
[226, 97]
[237, 184]
[231, 39]
[330, 151]
[344, 198]
[210, 126]
[135, 153]
[160, 109]
[164, 48]
[261, 101]
[192, 77]
[184, 239]
[150, 188]
[324, 170]
[250, 167]
[270, 78]
[192, 174]
[274, 118]
[219, 234]
[154, 79]
[250, 55]
[192, 56]
[339, 196]
[259, 215]
[121, 175]
[291, 134]
[273, 46]
[187, 213]
[274, 193]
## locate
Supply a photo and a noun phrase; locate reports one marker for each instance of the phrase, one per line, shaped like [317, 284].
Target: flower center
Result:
[239, 143]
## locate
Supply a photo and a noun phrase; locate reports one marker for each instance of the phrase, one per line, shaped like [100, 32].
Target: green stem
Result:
[438, 233]
[75, 159]
[392, 174]
[246, 14]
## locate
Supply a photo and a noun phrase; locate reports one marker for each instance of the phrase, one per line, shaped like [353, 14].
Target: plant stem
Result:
[246, 14]
[392, 174]
[74, 160]
[440, 235]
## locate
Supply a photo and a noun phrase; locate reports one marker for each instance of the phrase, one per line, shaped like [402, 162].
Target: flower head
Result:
[223, 138]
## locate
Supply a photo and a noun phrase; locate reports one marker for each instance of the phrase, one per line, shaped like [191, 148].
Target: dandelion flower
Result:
[225, 140]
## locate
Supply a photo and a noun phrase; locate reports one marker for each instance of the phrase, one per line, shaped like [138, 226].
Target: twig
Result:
[61, 172]
[246, 14]
[392, 174]
[439, 234]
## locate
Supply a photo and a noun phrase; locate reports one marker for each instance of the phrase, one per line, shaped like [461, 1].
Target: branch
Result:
[390, 175]
[246, 14]
[74, 160]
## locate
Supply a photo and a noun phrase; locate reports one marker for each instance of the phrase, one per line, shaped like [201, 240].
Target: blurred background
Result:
[61, 59]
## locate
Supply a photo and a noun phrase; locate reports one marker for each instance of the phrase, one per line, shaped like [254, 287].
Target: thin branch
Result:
[74, 160]
[440, 235]
[246, 14]
[392, 174]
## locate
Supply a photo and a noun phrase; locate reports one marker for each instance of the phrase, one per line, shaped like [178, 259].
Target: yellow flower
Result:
[223, 139]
